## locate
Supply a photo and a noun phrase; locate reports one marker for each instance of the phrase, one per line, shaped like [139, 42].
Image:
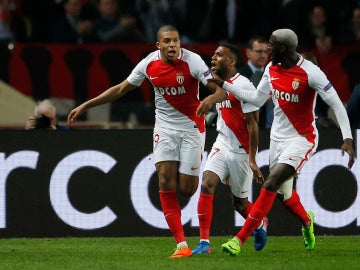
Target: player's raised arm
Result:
[110, 95]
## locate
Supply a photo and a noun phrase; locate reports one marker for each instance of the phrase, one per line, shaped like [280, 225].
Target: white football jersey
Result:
[176, 88]
[231, 123]
[294, 92]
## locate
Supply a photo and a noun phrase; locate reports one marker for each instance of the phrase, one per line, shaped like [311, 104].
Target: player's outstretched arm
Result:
[110, 95]
[257, 98]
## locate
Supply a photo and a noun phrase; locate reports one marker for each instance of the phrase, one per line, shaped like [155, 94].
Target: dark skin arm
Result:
[252, 120]
[347, 147]
[218, 95]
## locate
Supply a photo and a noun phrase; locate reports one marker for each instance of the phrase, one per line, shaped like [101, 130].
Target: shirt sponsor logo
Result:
[328, 86]
[171, 91]
[286, 96]
[224, 104]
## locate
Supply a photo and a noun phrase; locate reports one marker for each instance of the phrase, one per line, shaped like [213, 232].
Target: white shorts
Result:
[186, 147]
[225, 162]
[294, 152]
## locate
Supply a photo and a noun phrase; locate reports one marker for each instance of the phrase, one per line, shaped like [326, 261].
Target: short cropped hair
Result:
[286, 37]
[259, 39]
[166, 28]
[235, 51]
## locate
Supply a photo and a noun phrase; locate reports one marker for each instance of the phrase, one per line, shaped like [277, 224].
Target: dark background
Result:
[29, 212]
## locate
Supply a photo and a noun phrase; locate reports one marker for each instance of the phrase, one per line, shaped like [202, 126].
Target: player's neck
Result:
[290, 61]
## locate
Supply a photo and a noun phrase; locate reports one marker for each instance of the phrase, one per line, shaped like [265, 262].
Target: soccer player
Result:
[294, 83]
[232, 158]
[179, 134]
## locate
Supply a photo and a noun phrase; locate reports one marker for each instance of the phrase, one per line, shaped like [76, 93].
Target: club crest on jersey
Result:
[180, 78]
[295, 83]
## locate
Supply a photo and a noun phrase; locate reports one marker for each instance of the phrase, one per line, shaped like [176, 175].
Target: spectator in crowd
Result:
[112, 26]
[319, 33]
[155, 13]
[12, 24]
[350, 33]
[179, 132]
[294, 137]
[258, 56]
[353, 107]
[12, 29]
[44, 117]
[356, 24]
[232, 157]
[72, 27]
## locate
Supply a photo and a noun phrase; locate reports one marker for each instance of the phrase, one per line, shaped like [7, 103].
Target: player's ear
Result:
[158, 44]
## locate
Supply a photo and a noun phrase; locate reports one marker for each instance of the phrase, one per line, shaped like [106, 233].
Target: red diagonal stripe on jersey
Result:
[299, 113]
[231, 116]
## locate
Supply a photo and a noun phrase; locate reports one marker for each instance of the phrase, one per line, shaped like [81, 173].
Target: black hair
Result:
[235, 50]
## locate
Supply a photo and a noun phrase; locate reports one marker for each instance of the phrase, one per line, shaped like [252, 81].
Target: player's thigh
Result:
[166, 145]
[241, 175]
[293, 152]
[191, 151]
[216, 162]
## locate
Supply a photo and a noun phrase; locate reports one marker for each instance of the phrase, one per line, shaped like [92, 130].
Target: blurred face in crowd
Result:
[108, 8]
[318, 16]
[258, 54]
[73, 8]
[169, 45]
[356, 17]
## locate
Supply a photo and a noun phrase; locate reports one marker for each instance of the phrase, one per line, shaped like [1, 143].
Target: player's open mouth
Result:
[172, 53]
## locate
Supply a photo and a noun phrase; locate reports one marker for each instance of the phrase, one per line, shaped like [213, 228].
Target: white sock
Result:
[182, 244]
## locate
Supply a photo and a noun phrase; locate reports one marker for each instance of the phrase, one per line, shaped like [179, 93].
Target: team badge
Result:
[295, 83]
[180, 78]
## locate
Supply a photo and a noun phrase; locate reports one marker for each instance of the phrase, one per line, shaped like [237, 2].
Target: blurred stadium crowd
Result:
[198, 21]
[319, 24]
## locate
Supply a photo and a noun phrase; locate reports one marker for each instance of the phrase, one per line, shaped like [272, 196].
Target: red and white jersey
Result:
[176, 88]
[231, 123]
[294, 93]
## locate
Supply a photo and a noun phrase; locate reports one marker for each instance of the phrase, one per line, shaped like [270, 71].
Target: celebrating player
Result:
[232, 158]
[179, 133]
[294, 83]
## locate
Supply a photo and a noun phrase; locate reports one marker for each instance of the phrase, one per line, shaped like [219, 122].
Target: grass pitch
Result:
[331, 252]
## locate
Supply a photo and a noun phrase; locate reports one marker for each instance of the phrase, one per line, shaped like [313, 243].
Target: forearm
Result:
[256, 98]
[341, 116]
[253, 140]
[111, 94]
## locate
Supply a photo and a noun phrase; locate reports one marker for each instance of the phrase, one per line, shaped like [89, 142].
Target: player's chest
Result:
[289, 82]
[170, 75]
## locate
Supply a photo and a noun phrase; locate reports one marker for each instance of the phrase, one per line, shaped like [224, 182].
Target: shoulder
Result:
[187, 55]
[245, 70]
[243, 82]
[155, 55]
